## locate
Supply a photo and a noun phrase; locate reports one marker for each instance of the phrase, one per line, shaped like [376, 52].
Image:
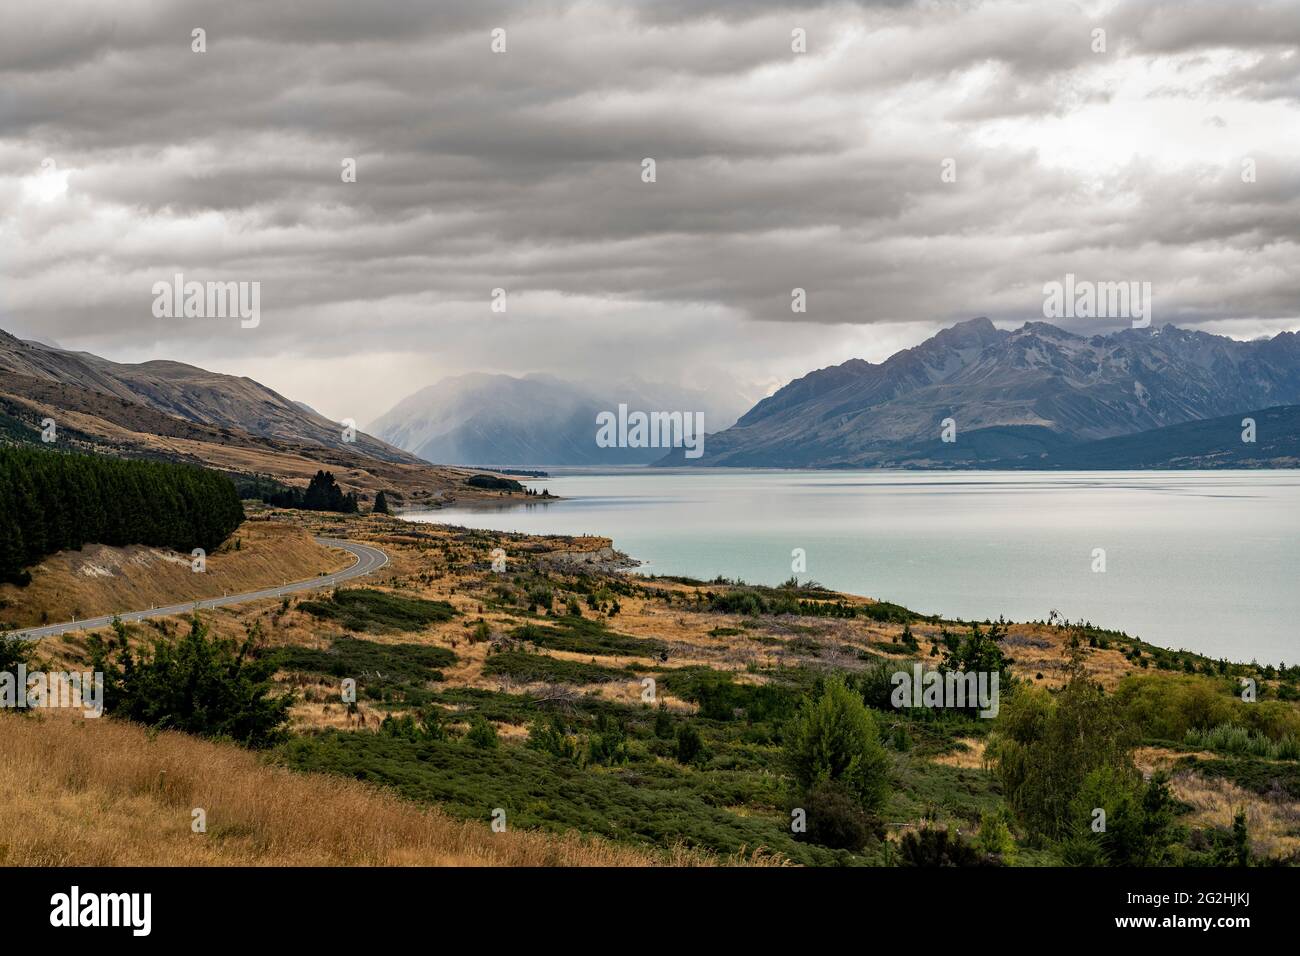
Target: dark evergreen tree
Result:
[51, 501]
[322, 494]
[199, 684]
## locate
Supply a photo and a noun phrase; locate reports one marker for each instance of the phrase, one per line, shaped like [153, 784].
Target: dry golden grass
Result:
[1274, 825]
[1151, 759]
[76, 792]
[264, 815]
[101, 580]
[970, 758]
[1043, 649]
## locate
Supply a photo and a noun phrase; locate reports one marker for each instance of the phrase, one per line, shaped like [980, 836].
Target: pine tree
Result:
[51, 501]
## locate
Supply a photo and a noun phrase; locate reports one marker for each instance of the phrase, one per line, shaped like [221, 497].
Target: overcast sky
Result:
[126, 157]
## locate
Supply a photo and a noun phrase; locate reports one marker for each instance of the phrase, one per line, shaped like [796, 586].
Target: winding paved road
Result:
[369, 560]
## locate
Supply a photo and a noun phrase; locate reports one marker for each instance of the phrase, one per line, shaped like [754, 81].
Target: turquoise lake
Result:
[1205, 561]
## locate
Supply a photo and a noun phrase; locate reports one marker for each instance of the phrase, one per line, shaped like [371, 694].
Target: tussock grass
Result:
[1242, 741]
[533, 668]
[1273, 824]
[76, 792]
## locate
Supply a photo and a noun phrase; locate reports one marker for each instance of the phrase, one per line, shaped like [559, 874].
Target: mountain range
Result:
[187, 393]
[535, 420]
[171, 411]
[1035, 397]
[1013, 397]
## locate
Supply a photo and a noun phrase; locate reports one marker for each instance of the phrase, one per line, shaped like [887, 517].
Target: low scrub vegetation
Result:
[531, 668]
[364, 609]
[773, 735]
[586, 636]
[200, 684]
[389, 674]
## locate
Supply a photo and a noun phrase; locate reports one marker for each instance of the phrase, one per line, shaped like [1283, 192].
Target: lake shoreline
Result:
[1191, 561]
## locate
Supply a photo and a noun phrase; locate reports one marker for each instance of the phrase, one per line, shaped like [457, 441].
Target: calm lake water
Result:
[1200, 560]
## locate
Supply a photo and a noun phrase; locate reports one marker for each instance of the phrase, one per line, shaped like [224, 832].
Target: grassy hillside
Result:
[662, 712]
[77, 792]
[100, 580]
[93, 421]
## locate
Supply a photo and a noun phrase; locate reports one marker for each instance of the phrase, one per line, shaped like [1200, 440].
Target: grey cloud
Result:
[523, 171]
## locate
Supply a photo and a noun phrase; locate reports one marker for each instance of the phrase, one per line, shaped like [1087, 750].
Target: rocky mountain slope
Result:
[1026, 392]
[175, 412]
[1209, 443]
[188, 393]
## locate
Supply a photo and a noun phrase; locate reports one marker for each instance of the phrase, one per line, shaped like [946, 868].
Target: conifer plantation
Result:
[51, 501]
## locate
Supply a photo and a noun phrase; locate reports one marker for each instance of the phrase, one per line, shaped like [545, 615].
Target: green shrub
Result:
[875, 683]
[14, 653]
[427, 726]
[482, 733]
[834, 738]
[690, 746]
[835, 818]
[347, 656]
[887, 613]
[364, 609]
[542, 668]
[1139, 818]
[213, 687]
[663, 722]
[586, 636]
[540, 597]
[608, 744]
[937, 846]
[721, 698]
[994, 838]
[658, 803]
[1046, 747]
[550, 735]
[979, 652]
[1167, 706]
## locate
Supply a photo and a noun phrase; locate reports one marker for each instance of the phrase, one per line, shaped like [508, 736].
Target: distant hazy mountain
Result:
[1032, 391]
[502, 420]
[187, 393]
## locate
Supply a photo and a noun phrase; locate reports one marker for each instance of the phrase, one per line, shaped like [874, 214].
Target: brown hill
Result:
[175, 412]
[190, 394]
